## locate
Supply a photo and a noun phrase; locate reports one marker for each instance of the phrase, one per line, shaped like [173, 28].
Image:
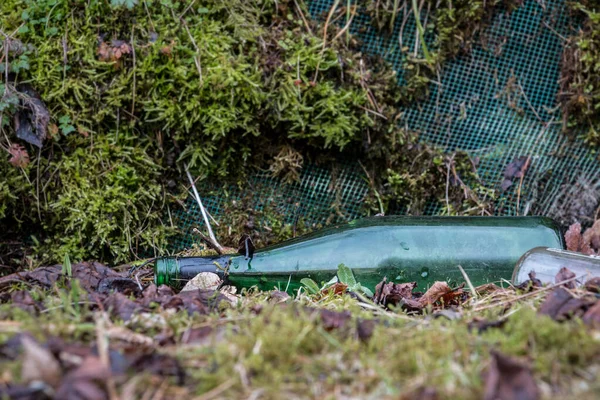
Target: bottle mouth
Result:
[165, 271]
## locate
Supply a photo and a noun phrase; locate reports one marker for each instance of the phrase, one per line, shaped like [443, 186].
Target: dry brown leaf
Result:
[435, 292]
[565, 274]
[554, 301]
[19, 156]
[390, 293]
[573, 237]
[337, 289]
[88, 381]
[334, 320]
[509, 379]
[591, 239]
[592, 316]
[39, 364]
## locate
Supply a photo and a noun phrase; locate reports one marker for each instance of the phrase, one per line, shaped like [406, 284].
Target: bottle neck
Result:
[178, 270]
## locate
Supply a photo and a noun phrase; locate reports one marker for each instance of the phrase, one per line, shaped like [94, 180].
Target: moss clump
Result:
[443, 30]
[141, 88]
[580, 85]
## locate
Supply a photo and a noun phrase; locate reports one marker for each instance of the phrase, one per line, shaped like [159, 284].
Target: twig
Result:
[303, 18]
[471, 287]
[554, 31]
[207, 212]
[373, 112]
[529, 103]
[187, 9]
[447, 186]
[137, 280]
[196, 57]
[345, 28]
[523, 172]
[213, 239]
[331, 11]
[133, 89]
[149, 17]
[531, 294]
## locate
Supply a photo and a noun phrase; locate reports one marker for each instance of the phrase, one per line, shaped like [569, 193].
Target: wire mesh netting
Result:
[498, 103]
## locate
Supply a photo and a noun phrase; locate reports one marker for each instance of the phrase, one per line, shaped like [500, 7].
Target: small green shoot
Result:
[310, 285]
[66, 267]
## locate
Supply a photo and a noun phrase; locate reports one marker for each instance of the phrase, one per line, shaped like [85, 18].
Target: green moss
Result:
[135, 91]
[285, 350]
[580, 86]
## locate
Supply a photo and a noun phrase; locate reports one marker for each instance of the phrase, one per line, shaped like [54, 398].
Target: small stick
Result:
[213, 239]
[526, 295]
[529, 103]
[196, 57]
[303, 18]
[133, 91]
[524, 171]
[471, 287]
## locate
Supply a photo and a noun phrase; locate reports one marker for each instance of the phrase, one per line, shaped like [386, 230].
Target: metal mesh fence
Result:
[498, 103]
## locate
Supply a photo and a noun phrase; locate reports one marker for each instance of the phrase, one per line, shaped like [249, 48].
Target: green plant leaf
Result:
[346, 276]
[365, 290]
[66, 267]
[310, 285]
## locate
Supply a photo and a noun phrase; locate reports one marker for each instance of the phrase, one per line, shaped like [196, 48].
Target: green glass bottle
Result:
[546, 262]
[403, 249]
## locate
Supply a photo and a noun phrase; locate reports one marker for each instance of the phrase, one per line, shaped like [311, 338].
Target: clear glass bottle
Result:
[546, 262]
[403, 249]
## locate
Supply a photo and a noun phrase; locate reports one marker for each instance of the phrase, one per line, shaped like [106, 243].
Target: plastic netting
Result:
[499, 103]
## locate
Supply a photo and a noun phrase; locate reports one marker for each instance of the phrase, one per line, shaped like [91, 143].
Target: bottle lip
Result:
[163, 269]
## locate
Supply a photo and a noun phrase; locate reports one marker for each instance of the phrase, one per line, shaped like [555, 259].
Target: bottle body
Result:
[546, 262]
[403, 249]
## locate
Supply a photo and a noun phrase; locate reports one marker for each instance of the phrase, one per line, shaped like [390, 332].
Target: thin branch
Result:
[529, 103]
[133, 89]
[303, 18]
[524, 170]
[197, 59]
[213, 239]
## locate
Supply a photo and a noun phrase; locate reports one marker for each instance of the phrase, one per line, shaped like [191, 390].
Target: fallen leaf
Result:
[592, 316]
[337, 289]
[592, 285]
[392, 293]
[31, 122]
[591, 239]
[565, 274]
[39, 364]
[554, 301]
[19, 156]
[333, 319]
[515, 169]
[365, 328]
[87, 382]
[531, 283]
[573, 237]
[509, 379]
[278, 296]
